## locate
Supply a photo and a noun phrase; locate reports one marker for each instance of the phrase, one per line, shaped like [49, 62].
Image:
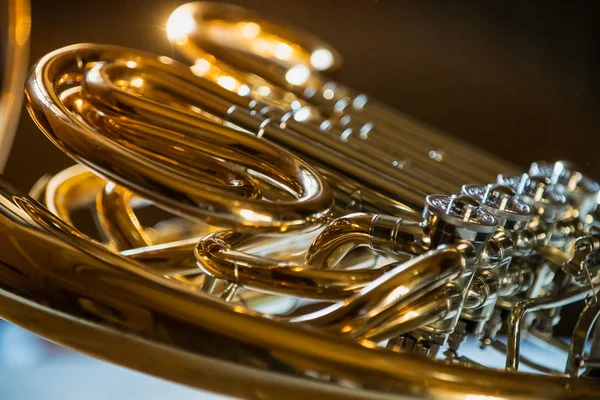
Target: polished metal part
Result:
[340, 274]
[133, 315]
[541, 303]
[501, 201]
[495, 278]
[581, 191]
[581, 334]
[218, 257]
[381, 233]
[214, 190]
[584, 260]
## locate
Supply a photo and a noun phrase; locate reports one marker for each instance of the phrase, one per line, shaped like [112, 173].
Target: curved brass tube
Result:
[382, 309]
[175, 85]
[581, 333]
[403, 317]
[176, 261]
[382, 233]
[540, 303]
[180, 254]
[72, 189]
[264, 48]
[182, 109]
[406, 282]
[117, 219]
[53, 99]
[432, 307]
[216, 257]
[77, 293]
[76, 187]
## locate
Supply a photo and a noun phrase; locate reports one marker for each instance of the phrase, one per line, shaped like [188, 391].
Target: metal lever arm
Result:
[585, 255]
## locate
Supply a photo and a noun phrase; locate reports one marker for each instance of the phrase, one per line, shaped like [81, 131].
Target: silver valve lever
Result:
[585, 256]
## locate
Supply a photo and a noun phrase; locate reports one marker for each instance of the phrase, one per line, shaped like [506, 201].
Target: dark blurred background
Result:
[517, 78]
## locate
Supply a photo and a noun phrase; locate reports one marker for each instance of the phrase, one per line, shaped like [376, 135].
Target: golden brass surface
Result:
[80, 294]
[154, 159]
[306, 252]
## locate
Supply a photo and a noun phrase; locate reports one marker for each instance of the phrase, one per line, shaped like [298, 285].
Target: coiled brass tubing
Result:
[156, 160]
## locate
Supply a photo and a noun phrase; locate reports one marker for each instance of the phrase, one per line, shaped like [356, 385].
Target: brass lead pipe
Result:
[380, 298]
[217, 257]
[381, 233]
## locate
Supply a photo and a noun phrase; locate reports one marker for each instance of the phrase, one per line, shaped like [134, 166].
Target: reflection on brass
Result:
[14, 51]
[316, 243]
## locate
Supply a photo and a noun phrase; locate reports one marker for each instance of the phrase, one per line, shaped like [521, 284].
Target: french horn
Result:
[312, 242]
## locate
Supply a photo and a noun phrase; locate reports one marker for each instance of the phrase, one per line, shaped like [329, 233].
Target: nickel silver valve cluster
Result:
[542, 215]
[524, 238]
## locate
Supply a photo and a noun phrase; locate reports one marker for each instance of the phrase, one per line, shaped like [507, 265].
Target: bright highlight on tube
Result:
[283, 51]
[302, 114]
[200, 67]
[244, 90]
[321, 59]
[252, 215]
[228, 82]
[137, 82]
[249, 30]
[297, 75]
[180, 24]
